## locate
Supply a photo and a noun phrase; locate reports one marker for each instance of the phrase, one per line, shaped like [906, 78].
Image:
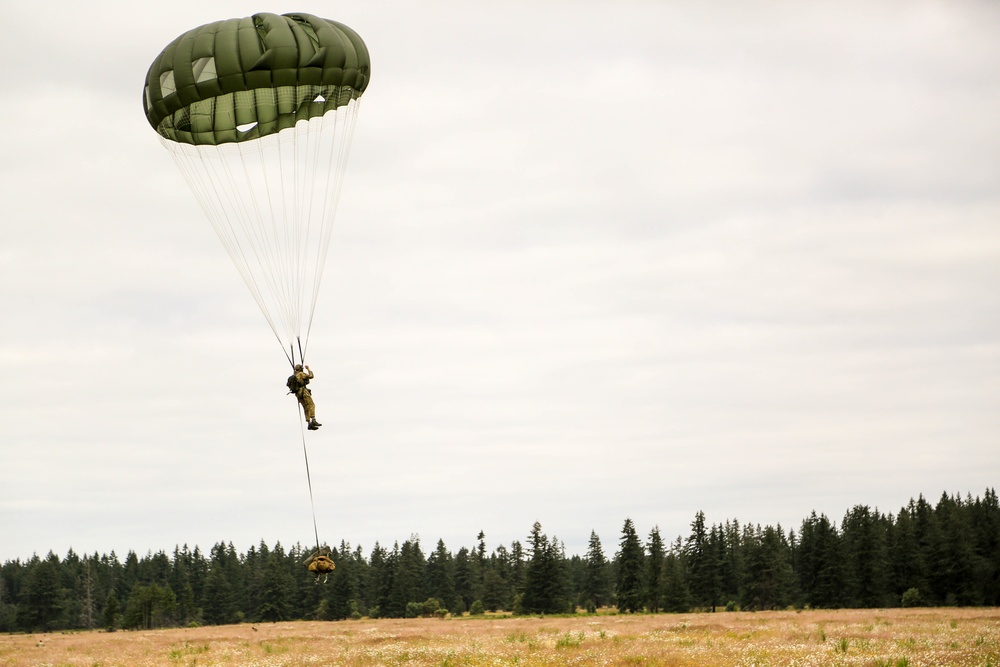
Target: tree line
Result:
[942, 554]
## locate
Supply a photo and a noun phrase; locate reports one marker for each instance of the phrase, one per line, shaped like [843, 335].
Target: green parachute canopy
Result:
[242, 79]
[258, 114]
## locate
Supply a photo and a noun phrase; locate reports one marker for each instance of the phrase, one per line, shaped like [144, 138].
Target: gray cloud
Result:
[591, 262]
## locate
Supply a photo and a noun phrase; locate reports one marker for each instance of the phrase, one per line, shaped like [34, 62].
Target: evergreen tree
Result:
[819, 563]
[8, 610]
[930, 543]
[770, 578]
[129, 578]
[866, 558]
[654, 571]
[716, 555]
[545, 579]
[218, 604]
[42, 598]
[110, 618]
[702, 566]
[441, 574]
[985, 523]
[180, 582]
[276, 589]
[409, 583]
[150, 606]
[732, 567]
[467, 579]
[381, 571]
[534, 599]
[516, 567]
[596, 580]
[629, 565]
[497, 593]
[341, 600]
[959, 565]
[676, 596]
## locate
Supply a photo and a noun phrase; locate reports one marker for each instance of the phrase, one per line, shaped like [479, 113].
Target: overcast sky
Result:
[593, 260]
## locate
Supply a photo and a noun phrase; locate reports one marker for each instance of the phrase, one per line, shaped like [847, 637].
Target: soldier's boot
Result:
[313, 424]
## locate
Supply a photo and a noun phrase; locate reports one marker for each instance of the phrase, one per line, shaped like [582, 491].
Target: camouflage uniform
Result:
[297, 384]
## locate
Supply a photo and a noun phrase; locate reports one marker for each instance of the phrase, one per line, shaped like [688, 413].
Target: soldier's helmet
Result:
[298, 367]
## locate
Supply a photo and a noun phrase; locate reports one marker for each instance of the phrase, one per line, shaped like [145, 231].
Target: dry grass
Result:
[871, 638]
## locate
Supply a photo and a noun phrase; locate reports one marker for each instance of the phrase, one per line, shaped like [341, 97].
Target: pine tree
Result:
[341, 599]
[545, 579]
[441, 574]
[218, 602]
[676, 597]
[42, 598]
[703, 573]
[381, 571]
[985, 522]
[466, 579]
[769, 574]
[276, 588]
[819, 563]
[866, 557]
[409, 584]
[180, 583]
[732, 568]
[654, 571]
[535, 598]
[629, 562]
[516, 567]
[595, 582]
[496, 593]
[959, 565]
[150, 606]
[112, 610]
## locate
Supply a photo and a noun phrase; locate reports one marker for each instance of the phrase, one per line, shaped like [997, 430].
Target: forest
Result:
[946, 553]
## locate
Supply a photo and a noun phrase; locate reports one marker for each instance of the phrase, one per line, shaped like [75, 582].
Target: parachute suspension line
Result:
[305, 453]
[265, 240]
[307, 150]
[272, 202]
[339, 128]
[289, 238]
[203, 182]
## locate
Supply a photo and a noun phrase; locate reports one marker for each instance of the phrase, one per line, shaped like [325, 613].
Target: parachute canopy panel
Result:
[242, 79]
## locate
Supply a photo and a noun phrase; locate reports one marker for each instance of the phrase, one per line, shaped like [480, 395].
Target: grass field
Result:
[869, 638]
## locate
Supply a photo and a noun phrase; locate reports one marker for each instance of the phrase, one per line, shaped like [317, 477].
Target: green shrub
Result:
[911, 598]
[430, 607]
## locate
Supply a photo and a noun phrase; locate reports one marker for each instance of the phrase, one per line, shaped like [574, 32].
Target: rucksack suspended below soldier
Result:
[320, 563]
[297, 384]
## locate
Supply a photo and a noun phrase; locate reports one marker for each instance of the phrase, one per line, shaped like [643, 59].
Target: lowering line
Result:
[305, 453]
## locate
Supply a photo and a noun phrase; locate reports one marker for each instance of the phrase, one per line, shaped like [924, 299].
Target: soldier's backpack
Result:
[292, 384]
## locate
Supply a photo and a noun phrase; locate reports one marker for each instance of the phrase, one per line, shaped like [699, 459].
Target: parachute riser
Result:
[290, 355]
